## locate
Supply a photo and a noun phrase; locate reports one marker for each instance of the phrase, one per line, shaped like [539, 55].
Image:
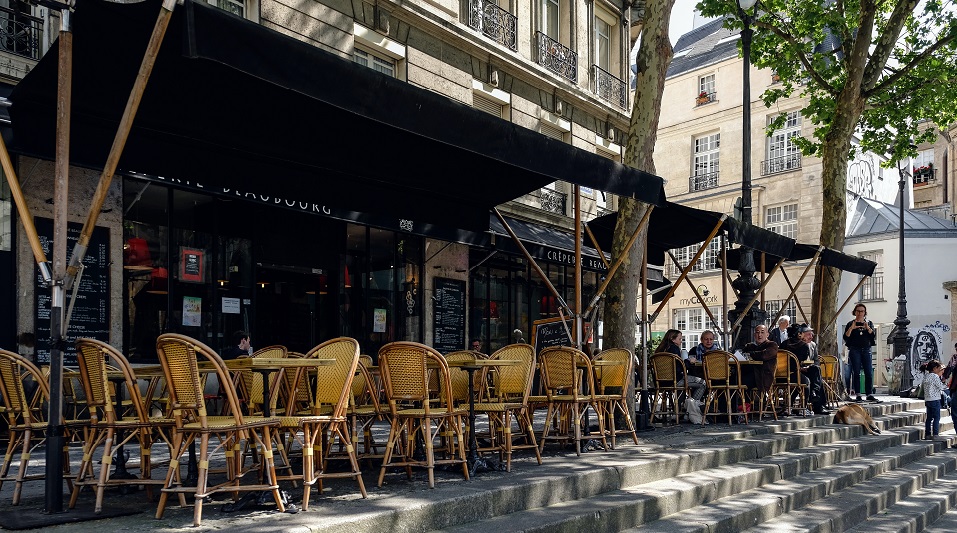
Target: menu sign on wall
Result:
[449, 325]
[549, 332]
[91, 307]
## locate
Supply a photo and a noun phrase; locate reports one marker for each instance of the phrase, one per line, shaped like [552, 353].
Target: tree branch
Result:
[890, 80]
[886, 42]
[796, 45]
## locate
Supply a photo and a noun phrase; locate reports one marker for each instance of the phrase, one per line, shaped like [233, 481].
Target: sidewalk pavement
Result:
[341, 503]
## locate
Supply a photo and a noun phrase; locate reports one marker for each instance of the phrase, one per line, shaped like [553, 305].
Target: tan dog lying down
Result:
[853, 413]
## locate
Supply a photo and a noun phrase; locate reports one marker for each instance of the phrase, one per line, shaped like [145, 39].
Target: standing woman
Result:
[671, 343]
[859, 336]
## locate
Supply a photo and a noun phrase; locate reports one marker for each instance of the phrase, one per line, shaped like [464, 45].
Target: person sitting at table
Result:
[240, 346]
[780, 333]
[803, 346]
[671, 343]
[707, 344]
[762, 349]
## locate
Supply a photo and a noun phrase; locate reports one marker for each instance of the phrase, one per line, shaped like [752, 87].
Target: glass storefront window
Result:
[146, 276]
[6, 215]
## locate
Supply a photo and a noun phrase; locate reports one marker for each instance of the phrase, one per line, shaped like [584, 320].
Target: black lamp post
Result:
[902, 338]
[746, 284]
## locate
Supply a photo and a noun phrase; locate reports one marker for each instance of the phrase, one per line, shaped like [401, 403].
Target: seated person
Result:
[762, 349]
[707, 344]
[671, 343]
[803, 346]
[240, 346]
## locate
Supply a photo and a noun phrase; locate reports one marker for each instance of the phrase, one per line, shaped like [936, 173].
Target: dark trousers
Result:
[933, 418]
[861, 360]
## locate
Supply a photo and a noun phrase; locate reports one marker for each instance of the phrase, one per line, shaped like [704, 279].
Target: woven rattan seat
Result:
[830, 376]
[405, 370]
[512, 385]
[109, 431]
[333, 389]
[569, 385]
[669, 392]
[613, 372]
[178, 355]
[722, 383]
[787, 381]
[25, 420]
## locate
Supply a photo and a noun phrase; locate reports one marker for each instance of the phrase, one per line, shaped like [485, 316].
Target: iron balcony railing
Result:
[705, 98]
[20, 33]
[781, 164]
[553, 201]
[557, 57]
[494, 22]
[924, 175]
[609, 87]
[703, 181]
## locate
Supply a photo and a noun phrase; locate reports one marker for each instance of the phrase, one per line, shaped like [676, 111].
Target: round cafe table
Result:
[474, 460]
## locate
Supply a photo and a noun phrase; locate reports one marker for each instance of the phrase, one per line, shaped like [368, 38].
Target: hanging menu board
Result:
[549, 332]
[91, 309]
[449, 325]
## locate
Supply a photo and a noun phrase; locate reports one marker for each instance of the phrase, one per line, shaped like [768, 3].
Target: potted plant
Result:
[703, 98]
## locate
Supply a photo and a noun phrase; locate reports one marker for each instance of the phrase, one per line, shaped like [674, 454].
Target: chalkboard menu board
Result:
[91, 309]
[549, 332]
[449, 325]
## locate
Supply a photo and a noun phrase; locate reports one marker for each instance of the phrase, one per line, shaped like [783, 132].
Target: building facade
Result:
[174, 256]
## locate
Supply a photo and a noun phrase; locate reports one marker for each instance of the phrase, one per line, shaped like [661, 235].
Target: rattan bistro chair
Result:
[26, 423]
[405, 367]
[512, 385]
[787, 382]
[830, 377]
[668, 391]
[333, 389]
[611, 381]
[568, 402]
[178, 355]
[722, 383]
[110, 429]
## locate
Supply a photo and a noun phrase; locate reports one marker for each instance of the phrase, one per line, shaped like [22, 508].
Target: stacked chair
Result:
[109, 429]
[179, 355]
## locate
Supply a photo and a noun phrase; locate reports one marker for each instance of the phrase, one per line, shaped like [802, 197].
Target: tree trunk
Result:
[834, 151]
[654, 56]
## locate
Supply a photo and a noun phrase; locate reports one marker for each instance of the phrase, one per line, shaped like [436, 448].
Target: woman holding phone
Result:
[859, 336]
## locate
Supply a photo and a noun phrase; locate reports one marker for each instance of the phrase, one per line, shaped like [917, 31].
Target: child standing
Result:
[933, 386]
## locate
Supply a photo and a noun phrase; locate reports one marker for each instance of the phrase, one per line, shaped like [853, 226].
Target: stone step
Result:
[715, 470]
[927, 509]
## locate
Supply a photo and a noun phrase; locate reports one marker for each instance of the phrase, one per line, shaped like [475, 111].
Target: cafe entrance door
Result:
[292, 307]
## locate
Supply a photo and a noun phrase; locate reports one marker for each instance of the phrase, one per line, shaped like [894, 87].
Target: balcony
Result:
[781, 164]
[609, 87]
[557, 57]
[924, 175]
[702, 182]
[705, 97]
[20, 33]
[494, 22]
[873, 288]
[553, 201]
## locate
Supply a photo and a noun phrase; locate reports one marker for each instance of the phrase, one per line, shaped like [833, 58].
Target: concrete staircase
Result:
[799, 474]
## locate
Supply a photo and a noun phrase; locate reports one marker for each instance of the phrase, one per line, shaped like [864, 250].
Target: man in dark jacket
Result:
[765, 350]
[804, 347]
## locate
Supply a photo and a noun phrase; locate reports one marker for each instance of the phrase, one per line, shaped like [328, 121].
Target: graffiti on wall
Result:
[927, 345]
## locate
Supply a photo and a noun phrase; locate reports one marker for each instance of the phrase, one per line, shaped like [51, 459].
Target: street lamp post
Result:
[902, 338]
[746, 284]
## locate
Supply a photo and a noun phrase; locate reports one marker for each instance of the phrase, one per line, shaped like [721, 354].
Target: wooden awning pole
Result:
[620, 259]
[579, 341]
[119, 141]
[830, 323]
[684, 273]
[714, 321]
[594, 242]
[797, 301]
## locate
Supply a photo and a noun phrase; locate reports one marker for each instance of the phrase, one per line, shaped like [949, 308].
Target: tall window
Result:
[708, 260]
[782, 219]
[873, 287]
[384, 65]
[706, 152]
[550, 18]
[783, 154]
[773, 306]
[706, 85]
[602, 44]
[692, 322]
[924, 166]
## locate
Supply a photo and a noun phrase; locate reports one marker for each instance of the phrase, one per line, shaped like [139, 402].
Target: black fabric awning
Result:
[674, 226]
[234, 105]
[803, 252]
[544, 243]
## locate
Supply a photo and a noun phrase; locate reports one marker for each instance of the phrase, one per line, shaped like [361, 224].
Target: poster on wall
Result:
[191, 265]
[192, 311]
[91, 306]
[378, 321]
